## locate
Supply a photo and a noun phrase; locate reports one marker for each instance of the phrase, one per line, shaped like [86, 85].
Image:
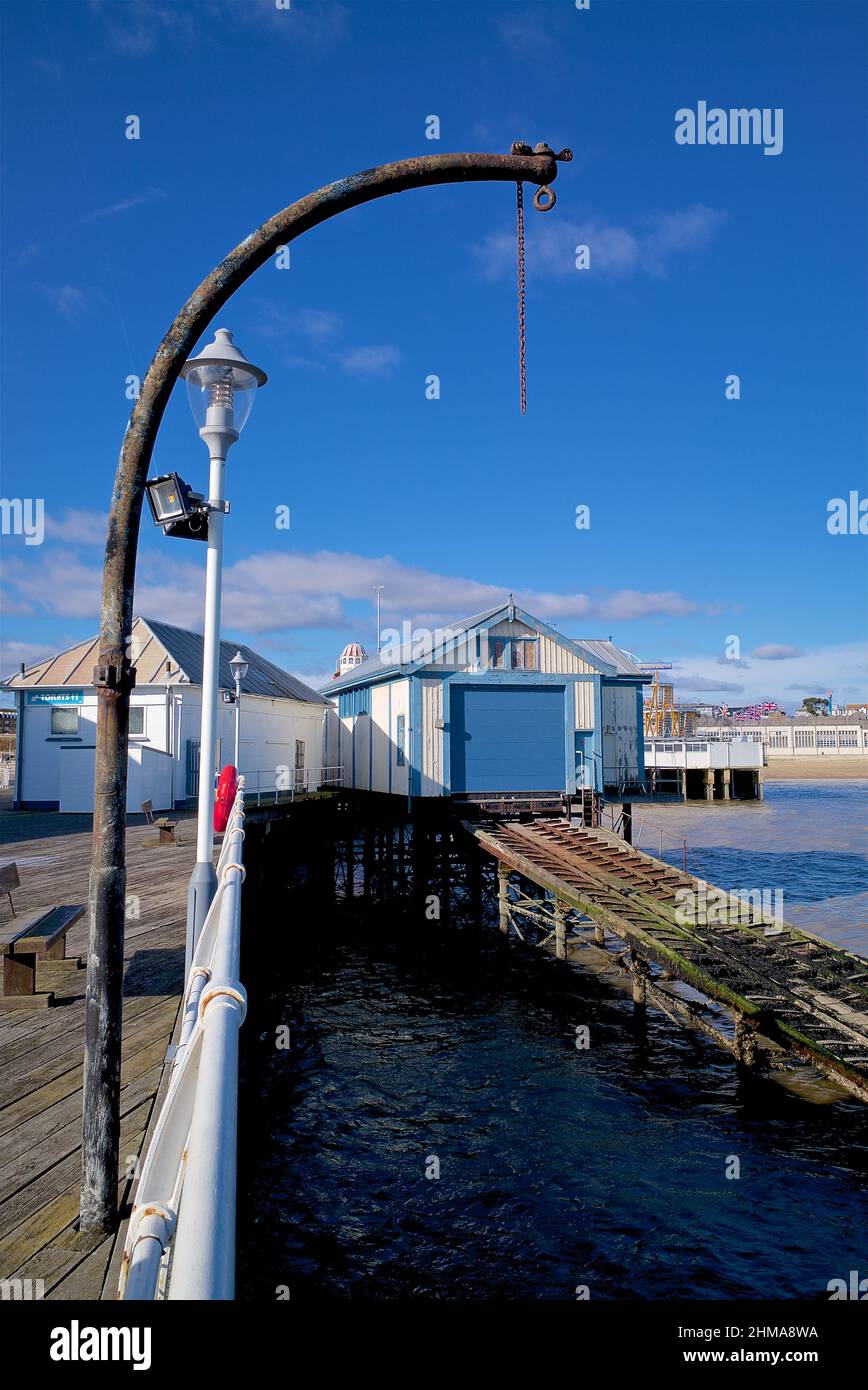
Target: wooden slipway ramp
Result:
[786, 986]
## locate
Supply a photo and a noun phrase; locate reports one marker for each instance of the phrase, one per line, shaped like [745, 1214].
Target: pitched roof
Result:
[603, 655]
[625, 663]
[156, 645]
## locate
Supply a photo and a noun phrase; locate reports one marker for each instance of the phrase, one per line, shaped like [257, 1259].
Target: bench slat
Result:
[47, 928]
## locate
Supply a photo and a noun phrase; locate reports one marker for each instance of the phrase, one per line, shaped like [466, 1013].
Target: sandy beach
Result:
[815, 769]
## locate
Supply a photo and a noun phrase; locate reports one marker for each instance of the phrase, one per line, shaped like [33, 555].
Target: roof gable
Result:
[603, 657]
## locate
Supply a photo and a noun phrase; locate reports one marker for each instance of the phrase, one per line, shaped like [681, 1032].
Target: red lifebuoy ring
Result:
[227, 786]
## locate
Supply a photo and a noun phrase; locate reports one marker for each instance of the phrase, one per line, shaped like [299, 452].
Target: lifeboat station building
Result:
[500, 703]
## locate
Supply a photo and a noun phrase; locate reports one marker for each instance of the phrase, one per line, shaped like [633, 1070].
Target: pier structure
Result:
[772, 996]
[704, 769]
[769, 992]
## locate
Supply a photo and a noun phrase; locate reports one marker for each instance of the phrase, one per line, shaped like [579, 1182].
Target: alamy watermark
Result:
[23, 516]
[737, 126]
[715, 907]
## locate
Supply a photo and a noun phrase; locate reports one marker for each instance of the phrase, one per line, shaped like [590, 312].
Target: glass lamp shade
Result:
[221, 380]
[238, 666]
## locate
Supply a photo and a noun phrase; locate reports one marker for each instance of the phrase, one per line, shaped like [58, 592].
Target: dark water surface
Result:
[558, 1167]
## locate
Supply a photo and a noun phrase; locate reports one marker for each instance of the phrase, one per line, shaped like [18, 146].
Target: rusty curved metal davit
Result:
[114, 675]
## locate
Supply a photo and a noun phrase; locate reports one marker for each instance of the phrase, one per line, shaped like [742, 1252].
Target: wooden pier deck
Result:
[41, 1050]
[788, 991]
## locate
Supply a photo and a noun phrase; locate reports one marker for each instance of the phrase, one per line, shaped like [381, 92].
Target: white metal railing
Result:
[285, 784]
[185, 1249]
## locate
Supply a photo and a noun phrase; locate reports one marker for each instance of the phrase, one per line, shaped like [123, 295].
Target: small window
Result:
[137, 721]
[498, 653]
[399, 739]
[64, 719]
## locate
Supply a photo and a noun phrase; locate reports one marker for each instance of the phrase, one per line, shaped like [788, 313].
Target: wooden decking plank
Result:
[63, 1176]
[33, 1148]
[20, 1079]
[55, 1030]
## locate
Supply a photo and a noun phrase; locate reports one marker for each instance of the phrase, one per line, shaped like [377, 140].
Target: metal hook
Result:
[544, 192]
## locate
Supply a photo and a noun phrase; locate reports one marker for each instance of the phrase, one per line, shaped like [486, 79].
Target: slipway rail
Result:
[180, 1241]
[798, 993]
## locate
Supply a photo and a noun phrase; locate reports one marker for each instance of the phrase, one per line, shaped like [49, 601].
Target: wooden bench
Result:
[39, 937]
[9, 881]
[165, 826]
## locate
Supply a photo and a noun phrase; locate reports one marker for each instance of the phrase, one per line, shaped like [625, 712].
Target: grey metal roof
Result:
[263, 677]
[624, 663]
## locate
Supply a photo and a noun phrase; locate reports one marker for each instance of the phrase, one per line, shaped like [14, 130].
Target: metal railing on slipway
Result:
[180, 1241]
[616, 824]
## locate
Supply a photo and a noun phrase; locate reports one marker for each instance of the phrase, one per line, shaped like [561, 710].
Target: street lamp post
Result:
[238, 667]
[114, 674]
[221, 385]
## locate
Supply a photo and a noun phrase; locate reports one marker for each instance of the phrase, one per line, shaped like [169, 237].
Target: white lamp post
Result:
[221, 385]
[238, 667]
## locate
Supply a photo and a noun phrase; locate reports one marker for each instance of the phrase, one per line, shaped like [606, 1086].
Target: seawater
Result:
[558, 1168]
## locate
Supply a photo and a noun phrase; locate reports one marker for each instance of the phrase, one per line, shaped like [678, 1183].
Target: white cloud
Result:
[318, 325]
[842, 668]
[136, 29]
[77, 526]
[13, 653]
[376, 360]
[776, 651]
[615, 251]
[276, 591]
[69, 301]
[137, 200]
[59, 583]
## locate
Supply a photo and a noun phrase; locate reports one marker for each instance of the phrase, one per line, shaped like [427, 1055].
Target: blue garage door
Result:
[507, 738]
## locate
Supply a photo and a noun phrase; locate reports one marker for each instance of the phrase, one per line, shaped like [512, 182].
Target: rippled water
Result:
[557, 1167]
[808, 839]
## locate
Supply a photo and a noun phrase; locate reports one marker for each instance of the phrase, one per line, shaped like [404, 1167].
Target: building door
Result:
[299, 762]
[507, 738]
[192, 769]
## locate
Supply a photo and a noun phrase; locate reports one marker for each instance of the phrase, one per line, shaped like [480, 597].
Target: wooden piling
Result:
[560, 930]
[503, 897]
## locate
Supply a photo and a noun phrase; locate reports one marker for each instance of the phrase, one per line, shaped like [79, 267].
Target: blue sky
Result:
[707, 515]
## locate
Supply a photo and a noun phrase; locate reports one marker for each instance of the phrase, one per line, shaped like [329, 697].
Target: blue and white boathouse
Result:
[498, 703]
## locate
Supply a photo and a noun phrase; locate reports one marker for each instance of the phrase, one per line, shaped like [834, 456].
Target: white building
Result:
[716, 769]
[281, 723]
[802, 736]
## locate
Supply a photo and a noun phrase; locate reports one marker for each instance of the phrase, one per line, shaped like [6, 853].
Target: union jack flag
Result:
[757, 711]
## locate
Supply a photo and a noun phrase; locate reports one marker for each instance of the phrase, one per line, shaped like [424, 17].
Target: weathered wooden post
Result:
[641, 972]
[503, 897]
[745, 1043]
[560, 930]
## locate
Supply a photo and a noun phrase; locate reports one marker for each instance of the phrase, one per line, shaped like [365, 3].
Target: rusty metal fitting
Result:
[114, 673]
[236, 992]
[233, 865]
[544, 199]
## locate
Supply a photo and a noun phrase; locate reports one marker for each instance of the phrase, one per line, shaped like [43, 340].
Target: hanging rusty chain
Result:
[543, 200]
[522, 322]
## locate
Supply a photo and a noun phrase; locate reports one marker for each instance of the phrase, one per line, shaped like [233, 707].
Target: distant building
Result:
[500, 702]
[8, 721]
[352, 655]
[798, 736]
[281, 722]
